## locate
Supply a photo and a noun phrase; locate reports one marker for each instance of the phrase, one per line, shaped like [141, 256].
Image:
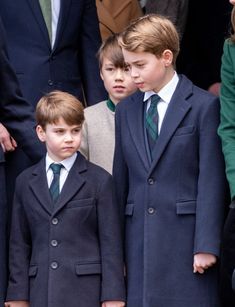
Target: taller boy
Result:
[172, 196]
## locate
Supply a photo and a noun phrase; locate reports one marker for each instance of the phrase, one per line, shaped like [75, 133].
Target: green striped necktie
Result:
[152, 121]
[55, 185]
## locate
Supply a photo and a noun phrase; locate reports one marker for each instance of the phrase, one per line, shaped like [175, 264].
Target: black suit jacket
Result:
[71, 64]
[17, 115]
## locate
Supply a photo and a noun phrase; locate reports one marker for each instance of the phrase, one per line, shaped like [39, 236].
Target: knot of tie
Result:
[56, 168]
[154, 101]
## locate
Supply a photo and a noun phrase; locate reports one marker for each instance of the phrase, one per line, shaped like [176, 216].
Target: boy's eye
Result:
[77, 130]
[109, 69]
[59, 131]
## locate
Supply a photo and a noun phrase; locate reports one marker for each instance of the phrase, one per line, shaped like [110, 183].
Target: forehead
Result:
[134, 57]
[107, 61]
[61, 123]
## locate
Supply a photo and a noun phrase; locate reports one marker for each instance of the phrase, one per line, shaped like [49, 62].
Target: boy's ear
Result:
[167, 56]
[41, 133]
[101, 75]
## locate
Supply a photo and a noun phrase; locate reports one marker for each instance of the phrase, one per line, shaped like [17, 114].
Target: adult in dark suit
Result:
[17, 115]
[172, 196]
[68, 63]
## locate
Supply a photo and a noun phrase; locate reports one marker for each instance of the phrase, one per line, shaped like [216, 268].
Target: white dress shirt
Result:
[165, 94]
[67, 164]
[55, 11]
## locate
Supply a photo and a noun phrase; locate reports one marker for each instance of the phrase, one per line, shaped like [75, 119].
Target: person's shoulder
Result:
[100, 105]
[95, 109]
[96, 172]
[127, 102]
[194, 93]
[229, 43]
[229, 49]
[30, 171]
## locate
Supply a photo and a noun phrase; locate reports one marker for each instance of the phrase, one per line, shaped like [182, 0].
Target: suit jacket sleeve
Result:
[19, 251]
[211, 194]
[16, 114]
[90, 42]
[110, 244]
[227, 112]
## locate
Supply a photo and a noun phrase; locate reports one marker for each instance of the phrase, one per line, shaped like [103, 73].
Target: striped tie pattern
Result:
[55, 185]
[152, 121]
[47, 14]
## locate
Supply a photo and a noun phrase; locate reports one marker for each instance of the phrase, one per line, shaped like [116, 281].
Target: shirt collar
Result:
[111, 105]
[67, 163]
[166, 92]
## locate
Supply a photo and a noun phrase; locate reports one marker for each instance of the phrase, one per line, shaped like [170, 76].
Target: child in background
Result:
[65, 245]
[98, 129]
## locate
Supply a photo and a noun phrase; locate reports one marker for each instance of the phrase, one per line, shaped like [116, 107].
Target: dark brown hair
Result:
[111, 49]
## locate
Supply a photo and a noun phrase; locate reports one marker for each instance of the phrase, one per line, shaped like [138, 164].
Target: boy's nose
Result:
[68, 137]
[134, 73]
[119, 74]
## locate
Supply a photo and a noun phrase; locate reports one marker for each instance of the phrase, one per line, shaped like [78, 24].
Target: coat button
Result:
[54, 221]
[150, 181]
[50, 82]
[151, 210]
[54, 243]
[54, 265]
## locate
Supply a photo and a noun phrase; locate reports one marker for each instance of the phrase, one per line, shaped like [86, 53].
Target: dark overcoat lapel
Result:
[73, 183]
[39, 185]
[177, 110]
[135, 122]
[36, 9]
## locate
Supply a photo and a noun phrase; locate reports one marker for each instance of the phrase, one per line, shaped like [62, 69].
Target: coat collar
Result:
[38, 184]
[177, 110]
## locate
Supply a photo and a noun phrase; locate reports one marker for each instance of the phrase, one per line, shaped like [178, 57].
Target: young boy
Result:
[98, 129]
[65, 248]
[169, 175]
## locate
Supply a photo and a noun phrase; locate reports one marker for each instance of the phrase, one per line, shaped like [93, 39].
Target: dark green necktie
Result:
[152, 121]
[46, 12]
[55, 185]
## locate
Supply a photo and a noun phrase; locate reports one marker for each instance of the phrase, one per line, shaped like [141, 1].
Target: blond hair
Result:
[56, 105]
[111, 50]
[151, 33]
